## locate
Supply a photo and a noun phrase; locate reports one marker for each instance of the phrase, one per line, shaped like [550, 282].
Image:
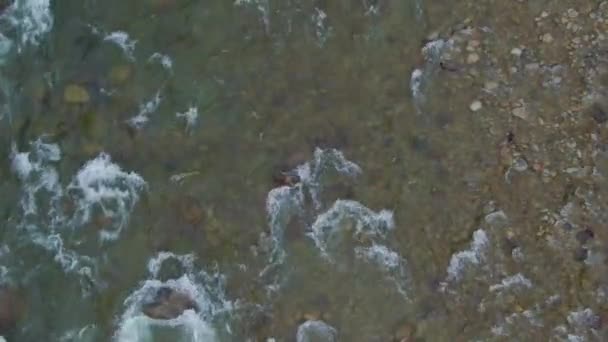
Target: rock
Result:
[584, 235]
[404, 332]
[547, 38]
[516, 52]
[580, 254]
[191, 210]
[316, 331]
[75, 94]
[472, 58]
[598, 114]
[168, 304]
[12, 309]
[475, 106]
[490, 85]
[520, 112]
[497, 219]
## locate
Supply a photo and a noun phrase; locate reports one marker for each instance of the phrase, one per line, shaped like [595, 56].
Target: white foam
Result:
[155, 263]
[263, 6]
[415, 85]
[327, 229]
[322, 30]
[123, 41]
[163, 59]
[33, 169]
[99, 183]
[316, 331]
[389, 262]
[145, 109]
[102, 183]
[517, 280]
[204, 289]
[190, 117]
[473, 256]
[135, 326]
[32, 20]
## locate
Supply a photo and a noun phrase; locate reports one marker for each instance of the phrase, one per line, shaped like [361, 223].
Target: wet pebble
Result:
[475, 106]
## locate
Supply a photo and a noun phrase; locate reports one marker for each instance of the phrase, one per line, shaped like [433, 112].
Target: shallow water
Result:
[304, 170]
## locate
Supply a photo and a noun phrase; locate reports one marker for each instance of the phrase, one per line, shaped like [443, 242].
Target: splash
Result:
[49, 225]
[190, 117]
[311, 331]
[327, 231]
[196, 326]
[123, 41]
[164, 60]
[104, 184]
[32, 20]
[389, 262]
[473, 256]
[145, 109]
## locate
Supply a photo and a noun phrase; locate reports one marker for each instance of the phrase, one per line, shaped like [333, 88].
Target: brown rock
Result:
[404, 332]
[169, 304]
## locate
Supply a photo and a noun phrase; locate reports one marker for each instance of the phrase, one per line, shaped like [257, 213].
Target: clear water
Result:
[349, 170]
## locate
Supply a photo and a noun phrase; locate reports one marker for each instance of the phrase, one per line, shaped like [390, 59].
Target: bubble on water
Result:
[204, 289]
[389, 262]
[515, 281]
[123, 41]
[145, 109]
[327, 230]
[473, 256]
[316, 331]
[104, 184]
[31, 19]
[322, 30]
[190, 117]
[163, 59]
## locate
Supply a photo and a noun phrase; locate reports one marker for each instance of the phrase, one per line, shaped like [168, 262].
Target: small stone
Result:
[472, 58]
[75, 94]
[516, 52]
[520, 112]
[520, 164]
[580, 254]
[547, 38]
[475, 106]
[584, 236]
[491, 85]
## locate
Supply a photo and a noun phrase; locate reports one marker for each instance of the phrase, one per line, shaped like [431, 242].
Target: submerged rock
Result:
[316, 331]
[75, 94]
[12, 309]
[169, 304]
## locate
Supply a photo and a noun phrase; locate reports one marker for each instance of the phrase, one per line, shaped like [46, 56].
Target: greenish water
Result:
[399, 170]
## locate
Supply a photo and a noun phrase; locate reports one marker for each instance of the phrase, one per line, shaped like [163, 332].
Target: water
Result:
[265, 170]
